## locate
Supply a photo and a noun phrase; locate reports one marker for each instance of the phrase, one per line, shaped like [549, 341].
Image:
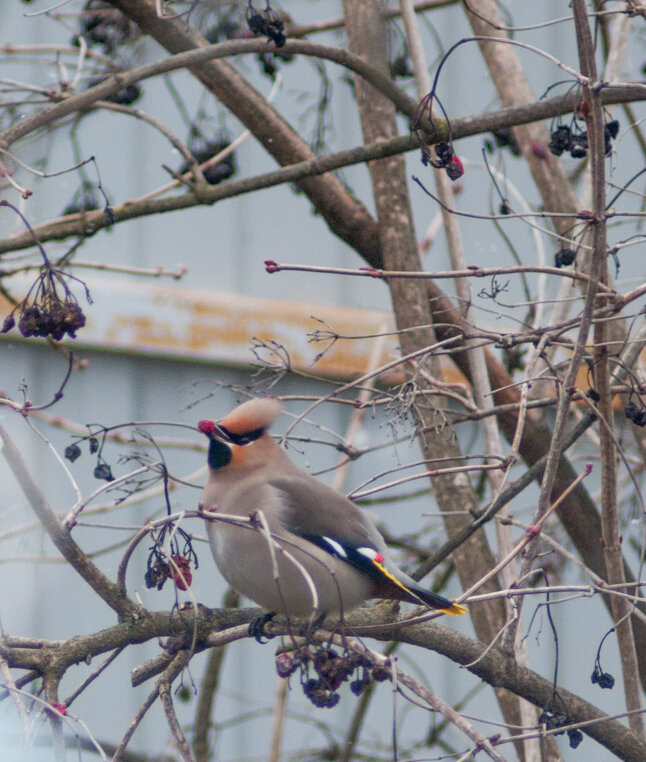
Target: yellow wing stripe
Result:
[393, 579]
[455, 609]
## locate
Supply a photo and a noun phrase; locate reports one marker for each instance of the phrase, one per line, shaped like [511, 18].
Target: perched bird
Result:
[306, 550]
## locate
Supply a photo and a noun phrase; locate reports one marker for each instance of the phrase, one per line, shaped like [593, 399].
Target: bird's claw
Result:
[257, 627]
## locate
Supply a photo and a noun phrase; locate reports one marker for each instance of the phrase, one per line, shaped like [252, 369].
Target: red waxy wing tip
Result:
[206, 427]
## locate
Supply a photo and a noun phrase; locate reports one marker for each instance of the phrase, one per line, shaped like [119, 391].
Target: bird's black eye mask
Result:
[220, 441]
[238, 439]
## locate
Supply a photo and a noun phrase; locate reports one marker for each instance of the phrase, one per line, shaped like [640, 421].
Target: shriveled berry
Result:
[103, 471]
[454, 168]
[286, 664]
[181, 569]
[612, 128]
[29, 323]
[157, 574]
[359, 685]
[575, 736]
[564, 257]
[444, 152]
[8, 324]
[72, 452]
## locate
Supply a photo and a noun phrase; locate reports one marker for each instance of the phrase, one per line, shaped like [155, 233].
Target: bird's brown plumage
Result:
[322, 554]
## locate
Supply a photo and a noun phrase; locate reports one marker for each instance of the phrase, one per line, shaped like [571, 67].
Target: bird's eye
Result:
[242, 439]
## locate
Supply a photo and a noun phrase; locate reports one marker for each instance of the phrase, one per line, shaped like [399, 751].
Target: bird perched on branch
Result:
[298, 548]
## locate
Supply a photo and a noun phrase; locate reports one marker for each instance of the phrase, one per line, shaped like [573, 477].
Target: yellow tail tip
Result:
[456, 609]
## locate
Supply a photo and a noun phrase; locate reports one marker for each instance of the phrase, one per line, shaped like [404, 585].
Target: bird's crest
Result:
[252, 415]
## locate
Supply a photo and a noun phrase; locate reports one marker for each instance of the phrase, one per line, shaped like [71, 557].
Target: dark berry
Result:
[9, 323]
[505, 138]
[578, 152]
[635, 414]
[560, 140]
[575, 736]
[157, 574]
[613, 128]
[72, 452]
[454, 168]
[444, 153]
[359, 685]
[564, 257]
[606, 680]
[103, 471]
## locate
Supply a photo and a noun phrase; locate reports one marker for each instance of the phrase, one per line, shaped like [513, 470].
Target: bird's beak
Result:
[220, 434]
[214, 431]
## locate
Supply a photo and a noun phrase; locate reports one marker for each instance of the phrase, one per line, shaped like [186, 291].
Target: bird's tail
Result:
[438, 602]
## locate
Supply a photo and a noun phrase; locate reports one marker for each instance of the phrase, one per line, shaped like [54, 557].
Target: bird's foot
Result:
[316, 623]
[257, 627]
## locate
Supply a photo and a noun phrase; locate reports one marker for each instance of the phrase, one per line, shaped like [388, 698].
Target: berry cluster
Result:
[102, 25]
[102, 470]
[601, 678]
[267, 22]
[635, 414]
[573, 138]
[332, 670]
[125, 96]
[227, 28]
[446, 159]
[203, 150]
[44, 311]
[177, 566]
[556, 719]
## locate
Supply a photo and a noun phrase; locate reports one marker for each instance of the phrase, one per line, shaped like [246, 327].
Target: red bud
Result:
[271, 266]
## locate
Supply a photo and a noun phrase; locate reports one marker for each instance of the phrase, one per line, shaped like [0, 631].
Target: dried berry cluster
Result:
[227, 28]
[125, 96]
[573, 138]
[400, 66]
[49, 309]
[176, 565]
[564, 257]
[446, 159]
[635, 414]
[102, 25]
[73, 451]
[267, 22]
[332, 670]
[102, 470]
[601, 678]
[203, 150]
[505, 138]
[556, 719]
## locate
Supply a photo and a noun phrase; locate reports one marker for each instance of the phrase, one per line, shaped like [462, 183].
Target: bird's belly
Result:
[283, 578]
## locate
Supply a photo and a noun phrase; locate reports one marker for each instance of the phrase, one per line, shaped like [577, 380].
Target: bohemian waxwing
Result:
[308, 550]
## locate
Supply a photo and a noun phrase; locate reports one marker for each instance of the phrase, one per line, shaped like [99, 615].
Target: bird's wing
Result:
[331, 521]
[312, 509]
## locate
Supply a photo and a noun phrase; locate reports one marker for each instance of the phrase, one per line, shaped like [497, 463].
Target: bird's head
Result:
[232, 440]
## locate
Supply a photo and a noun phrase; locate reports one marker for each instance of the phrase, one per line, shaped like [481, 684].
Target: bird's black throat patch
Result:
[219, 453]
